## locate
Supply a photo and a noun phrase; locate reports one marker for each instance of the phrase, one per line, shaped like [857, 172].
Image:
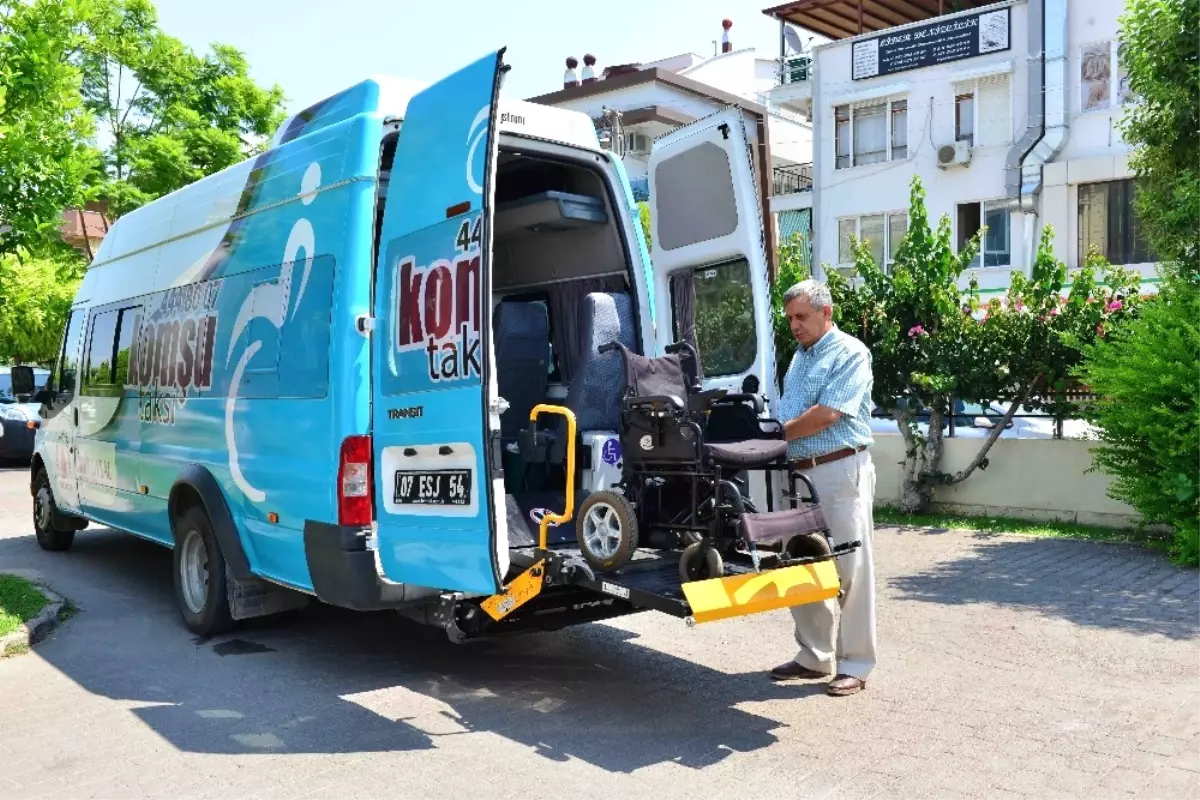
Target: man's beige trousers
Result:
[846, 490]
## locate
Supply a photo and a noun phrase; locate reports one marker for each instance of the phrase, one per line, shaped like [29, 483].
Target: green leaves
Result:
[37, 293]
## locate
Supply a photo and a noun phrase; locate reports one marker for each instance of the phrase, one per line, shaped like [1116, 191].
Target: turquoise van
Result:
[306, 374]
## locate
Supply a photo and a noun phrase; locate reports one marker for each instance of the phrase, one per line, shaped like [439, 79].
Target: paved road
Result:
[1012, 667]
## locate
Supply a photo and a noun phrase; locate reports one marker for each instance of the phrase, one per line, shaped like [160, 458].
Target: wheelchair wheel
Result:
[700, 563]
[809, 545]
[607, 530]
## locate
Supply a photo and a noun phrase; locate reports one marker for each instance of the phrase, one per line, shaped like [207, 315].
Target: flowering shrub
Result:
[930, 340]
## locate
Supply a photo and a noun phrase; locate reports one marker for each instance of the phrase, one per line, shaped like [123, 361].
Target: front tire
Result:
[45, 512]
[199, 567]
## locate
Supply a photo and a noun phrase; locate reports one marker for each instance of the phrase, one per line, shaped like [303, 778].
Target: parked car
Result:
[16, 438]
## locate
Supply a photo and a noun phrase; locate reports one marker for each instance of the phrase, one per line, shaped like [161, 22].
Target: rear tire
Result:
[606, 530]
[45, 512]
[199, 567]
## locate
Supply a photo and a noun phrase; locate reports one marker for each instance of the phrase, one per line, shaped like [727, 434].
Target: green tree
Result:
[37, 292]
[168, 116]
[793, 261]
[1145, 370]
[1160, 51]
[931, 342]
[43, 121]
[644, 218]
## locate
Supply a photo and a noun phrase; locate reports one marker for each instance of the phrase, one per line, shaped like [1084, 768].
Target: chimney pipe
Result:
[726, 45]
[569, 78]
[589, 68]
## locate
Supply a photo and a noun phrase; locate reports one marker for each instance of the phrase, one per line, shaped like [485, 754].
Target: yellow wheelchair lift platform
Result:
[652, 582]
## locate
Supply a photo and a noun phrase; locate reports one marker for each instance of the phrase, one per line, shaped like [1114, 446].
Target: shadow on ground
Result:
[1097, 585]
[331, 681]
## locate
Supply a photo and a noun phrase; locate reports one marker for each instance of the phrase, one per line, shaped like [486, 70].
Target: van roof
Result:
[213, 201]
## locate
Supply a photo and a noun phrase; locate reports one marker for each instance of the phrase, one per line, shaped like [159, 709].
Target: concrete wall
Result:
[1041, 479]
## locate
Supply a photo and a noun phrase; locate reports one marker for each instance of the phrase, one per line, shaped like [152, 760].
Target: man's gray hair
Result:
[815, 292]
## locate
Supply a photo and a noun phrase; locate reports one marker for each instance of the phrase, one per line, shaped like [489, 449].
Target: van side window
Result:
[98, 366]
[67, 365]
[714, 312]
[127, 329]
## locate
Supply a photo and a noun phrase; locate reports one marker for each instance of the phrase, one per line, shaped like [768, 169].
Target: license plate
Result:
[439, 487]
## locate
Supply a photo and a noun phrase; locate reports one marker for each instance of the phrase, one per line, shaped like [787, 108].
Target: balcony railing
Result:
[793, 178]
[795, 69]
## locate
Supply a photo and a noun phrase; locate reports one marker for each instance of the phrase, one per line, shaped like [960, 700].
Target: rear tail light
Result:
[354, 482]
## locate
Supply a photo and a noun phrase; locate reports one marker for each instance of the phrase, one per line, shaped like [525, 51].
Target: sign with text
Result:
[928, 45]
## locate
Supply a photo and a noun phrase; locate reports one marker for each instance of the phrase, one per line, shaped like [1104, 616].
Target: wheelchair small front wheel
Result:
[607, 531]
[700, 563]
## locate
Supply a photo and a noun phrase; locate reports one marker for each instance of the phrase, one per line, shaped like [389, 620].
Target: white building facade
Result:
[651, 99]
[1007, 111]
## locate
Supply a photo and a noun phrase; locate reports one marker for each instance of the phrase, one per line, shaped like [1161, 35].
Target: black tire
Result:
[203, 601]
[45, 513]
[700, 563]
[613, 510]
[809, 545]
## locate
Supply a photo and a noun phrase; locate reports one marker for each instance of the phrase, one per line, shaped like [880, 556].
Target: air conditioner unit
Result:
[950, 155]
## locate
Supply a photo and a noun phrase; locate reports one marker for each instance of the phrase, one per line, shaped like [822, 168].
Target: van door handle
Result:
[75, 412]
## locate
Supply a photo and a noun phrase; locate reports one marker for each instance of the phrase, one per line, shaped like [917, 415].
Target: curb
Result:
[36, 629]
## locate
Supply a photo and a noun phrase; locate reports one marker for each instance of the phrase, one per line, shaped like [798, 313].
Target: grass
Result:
[20, 601]
[1050, 530]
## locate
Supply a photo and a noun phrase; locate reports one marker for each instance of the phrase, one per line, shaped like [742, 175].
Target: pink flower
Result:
[1054, 312]
[1099, 330]
[915, 331]
[1020, 305]
[1115, 305]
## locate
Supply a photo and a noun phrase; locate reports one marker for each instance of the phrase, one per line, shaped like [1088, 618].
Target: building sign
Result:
[928, 45]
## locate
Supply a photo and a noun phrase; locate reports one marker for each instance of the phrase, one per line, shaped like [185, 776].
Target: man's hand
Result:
[815, 420]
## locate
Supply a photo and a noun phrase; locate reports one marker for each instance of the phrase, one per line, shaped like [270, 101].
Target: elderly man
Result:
[826, 406]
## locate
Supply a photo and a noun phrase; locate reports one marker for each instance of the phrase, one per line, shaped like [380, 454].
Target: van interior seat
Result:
[522, 361]
[599, 380]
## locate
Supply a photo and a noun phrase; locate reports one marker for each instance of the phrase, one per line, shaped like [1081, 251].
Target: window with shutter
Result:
[995, 118]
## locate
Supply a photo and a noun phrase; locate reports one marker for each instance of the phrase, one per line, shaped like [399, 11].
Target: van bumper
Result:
[344, 573]
[341, 567]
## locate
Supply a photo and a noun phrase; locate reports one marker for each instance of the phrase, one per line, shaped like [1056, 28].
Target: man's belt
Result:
[809, 463]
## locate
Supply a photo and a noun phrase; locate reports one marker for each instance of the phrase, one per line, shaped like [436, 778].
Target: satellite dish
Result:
[793, 39]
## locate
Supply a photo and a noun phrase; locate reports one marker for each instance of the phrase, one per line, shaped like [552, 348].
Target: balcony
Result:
[792, 179]
[793, 90]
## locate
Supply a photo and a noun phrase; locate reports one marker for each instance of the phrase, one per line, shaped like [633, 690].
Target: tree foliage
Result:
[168, 116]
[1145, 370]
[37, 292]
[1160, 51]
[930, 341]
[793, 261]
[43, 121]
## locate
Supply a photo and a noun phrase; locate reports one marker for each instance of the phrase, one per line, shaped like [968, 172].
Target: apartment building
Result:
[1007, 111]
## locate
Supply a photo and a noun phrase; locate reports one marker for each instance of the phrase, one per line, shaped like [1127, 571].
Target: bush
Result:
[793, 267]
[1149, 416]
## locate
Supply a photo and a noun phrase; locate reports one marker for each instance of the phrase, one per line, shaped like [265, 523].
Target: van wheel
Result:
[44, 514]
[606, 530]
[200, 587]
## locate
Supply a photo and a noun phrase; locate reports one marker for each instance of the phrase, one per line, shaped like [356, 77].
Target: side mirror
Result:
[22, 381]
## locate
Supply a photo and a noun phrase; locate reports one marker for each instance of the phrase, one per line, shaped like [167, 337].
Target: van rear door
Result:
[432, 426]
[708, 252]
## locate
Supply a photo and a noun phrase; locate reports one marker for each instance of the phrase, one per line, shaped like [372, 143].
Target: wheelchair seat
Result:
[748, 453]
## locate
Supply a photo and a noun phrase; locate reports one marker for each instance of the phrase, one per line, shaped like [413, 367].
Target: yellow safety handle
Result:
[544, 526]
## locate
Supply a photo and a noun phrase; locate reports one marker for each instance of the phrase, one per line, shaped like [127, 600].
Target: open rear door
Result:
[432, 425]
[708, 254]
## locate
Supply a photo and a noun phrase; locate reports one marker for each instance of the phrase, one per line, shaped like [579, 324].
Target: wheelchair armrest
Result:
[655, 402]
[742, 397]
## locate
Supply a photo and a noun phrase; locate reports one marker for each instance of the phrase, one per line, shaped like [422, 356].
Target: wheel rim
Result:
[42, 509]
[193, 571]
[602, 530]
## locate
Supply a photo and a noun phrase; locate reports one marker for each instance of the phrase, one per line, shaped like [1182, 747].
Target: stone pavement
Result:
[1011, 667]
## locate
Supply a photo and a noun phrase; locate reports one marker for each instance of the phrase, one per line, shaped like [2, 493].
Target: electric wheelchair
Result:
[687, 455]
